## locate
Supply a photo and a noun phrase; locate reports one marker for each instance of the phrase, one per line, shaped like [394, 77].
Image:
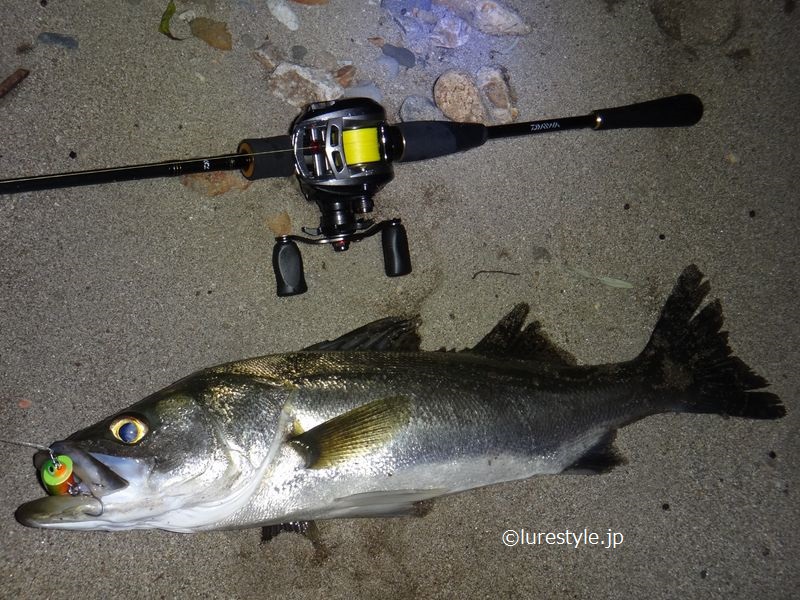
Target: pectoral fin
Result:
[354, 433]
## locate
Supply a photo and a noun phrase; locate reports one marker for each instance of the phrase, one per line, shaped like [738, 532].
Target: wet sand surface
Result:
[108, 293]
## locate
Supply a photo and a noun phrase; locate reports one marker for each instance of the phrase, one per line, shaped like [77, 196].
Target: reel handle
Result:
[682, 110]
[288, 266]
[396, 257]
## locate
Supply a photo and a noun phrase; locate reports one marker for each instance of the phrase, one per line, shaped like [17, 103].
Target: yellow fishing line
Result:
[361, 145]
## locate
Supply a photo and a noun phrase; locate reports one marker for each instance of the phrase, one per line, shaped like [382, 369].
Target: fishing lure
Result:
[57, 475]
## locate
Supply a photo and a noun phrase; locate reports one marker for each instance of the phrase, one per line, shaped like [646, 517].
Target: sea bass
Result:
[369, 425]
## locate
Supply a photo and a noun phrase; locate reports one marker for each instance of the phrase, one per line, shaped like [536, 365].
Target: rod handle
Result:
[674, 111]
[429, 139]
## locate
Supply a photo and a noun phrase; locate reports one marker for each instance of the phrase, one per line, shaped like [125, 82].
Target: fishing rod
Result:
[341, 152]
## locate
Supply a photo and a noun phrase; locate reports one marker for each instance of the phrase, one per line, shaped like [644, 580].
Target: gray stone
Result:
[419, 108]
[404, 56]
[364, 90]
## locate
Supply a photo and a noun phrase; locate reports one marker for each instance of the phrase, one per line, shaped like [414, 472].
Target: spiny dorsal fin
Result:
[354, 433]
[396, 334]
[508, 339]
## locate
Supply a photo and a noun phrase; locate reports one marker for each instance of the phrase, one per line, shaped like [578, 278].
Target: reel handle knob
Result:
[396, 257]
[288, 266]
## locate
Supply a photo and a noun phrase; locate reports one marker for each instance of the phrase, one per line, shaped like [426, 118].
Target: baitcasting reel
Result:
[342, 153]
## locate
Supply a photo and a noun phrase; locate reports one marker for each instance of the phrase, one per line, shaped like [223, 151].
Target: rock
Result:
[487, 16]
[344, 75]
[58, 39]
[280, 224]
[450, 32]
[214, 33]
[298, 52]
[400, 8]
[248, 41]
[458, 97]
[419, 108]
[323, 60]
[281, 11]
[415, 34]
[301, 85]
[497, 95]
[268, 55]
[391, 65]
[404, 56]
[364, 90]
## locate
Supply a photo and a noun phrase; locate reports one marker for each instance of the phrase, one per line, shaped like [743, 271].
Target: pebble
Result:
[58, 39]
[298, 52]
[400, 8]
[450, 32]
[419, 108]
[497, 95]
[458, 97]
[487, 16]
[268, 55]
[344, 75]
[299, 85]
[404, 56]
[364, 90]
[281, 11]
[391, 65]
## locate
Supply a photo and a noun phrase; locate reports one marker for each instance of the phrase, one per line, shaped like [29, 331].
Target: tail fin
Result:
[688, 353]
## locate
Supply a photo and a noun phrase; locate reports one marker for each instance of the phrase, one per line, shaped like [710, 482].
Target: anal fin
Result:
[600, 458]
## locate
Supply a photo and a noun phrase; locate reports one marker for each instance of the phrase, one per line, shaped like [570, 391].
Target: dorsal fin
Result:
[395, 334]
[508, 339]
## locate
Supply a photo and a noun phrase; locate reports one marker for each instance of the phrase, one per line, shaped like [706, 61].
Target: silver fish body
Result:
[369, 425]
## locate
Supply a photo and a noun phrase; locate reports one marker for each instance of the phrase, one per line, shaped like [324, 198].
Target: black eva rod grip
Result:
[288, 266]
[429, 139]
[396, 257]
[674, 111]
[269, 157]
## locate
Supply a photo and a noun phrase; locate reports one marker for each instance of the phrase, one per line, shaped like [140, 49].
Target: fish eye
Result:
[128, 430]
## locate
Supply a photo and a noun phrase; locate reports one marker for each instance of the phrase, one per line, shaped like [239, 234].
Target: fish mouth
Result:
[95, 476]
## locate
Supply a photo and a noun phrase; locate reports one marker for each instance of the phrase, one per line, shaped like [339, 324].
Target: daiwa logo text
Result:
[548, 125]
